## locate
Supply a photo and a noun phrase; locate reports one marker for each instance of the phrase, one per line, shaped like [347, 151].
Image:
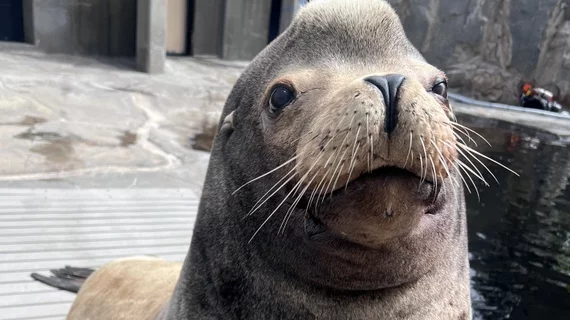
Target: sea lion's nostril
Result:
[389, 85]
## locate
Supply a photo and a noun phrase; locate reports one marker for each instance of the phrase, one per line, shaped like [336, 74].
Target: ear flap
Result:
[228, 124]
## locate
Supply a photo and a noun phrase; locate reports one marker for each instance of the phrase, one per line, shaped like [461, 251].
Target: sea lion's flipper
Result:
[69, 278]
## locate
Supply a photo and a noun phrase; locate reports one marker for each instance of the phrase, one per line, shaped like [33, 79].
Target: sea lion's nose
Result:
[389, 85]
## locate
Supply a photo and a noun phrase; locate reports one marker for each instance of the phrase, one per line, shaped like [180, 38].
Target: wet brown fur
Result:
[126, 289]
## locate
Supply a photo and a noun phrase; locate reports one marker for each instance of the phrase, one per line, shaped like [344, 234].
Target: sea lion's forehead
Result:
[360, 27]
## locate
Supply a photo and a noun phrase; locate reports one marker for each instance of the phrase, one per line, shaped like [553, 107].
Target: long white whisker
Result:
[336, 180]
[316, 190]
[461, 165]
[471, 130]
[409, 149]
[457, 136]
[279, 206]
[425, 153]
[287, 196]
[292, 208]
[478, 174]
[464, 132]
[368, 141]
[484, 156]
[484, 166]
[474, 167]
[421, 172]
[434, 172]
[263, 175]
[353, 162]
[441, 158]
[326, 190]
[264, 198]
[461, 176]
[464, 165]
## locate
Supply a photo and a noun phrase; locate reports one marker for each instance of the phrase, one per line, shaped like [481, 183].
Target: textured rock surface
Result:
[487, 47]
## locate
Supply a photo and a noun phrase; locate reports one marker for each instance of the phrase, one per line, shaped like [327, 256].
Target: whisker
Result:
[285, 183]
[465, 133]
[473, 131]
[461, 165]
[426, 157]
[353, 163]
[464, 165]
[478, 174]
[304, 135]
[484, 166]
[484, 156]
[421, 172]
[264, 199]
[298, 186]
[463, 141]
[368, 141]
[334, 173]
[292, 208]
[290, 212]
[434, 172]
[316, 190]
[461, 176]
[287, 196]
[336, 181]
[279, 206]
[340, 160]
[409, 149]
[441, 158]
[264, 175]
[336, 153]
[474, 167]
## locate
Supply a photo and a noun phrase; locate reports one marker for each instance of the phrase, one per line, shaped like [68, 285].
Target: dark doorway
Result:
[274, 20]
[11, 20]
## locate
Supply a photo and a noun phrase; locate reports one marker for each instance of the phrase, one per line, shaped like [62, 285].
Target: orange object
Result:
[527, 89]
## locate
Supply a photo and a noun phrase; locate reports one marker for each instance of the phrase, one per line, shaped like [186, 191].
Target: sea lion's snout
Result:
[367, 121]
[389, 86]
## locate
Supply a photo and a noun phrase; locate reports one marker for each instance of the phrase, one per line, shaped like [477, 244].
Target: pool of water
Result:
[519, 228]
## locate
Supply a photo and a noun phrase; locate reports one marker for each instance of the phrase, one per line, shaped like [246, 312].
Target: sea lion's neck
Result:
[260, 296]
[213, 287]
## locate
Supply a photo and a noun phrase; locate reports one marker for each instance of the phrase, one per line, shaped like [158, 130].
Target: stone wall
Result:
[487, 47]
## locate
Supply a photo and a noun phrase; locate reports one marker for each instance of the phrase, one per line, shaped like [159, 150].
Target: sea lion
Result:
[333, 189]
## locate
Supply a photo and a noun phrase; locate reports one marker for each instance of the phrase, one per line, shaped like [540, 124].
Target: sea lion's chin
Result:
[374, 209]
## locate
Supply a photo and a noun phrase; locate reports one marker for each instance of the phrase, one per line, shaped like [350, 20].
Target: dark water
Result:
[519, 231]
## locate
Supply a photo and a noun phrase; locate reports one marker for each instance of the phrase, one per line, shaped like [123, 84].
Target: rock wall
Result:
[488, 47]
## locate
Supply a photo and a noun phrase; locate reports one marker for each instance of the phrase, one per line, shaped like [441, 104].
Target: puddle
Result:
[59, 151]
[30, 135]
[128, 139]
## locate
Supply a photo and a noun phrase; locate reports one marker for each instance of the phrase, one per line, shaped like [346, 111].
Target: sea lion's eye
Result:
[440, 89]
[281, 96]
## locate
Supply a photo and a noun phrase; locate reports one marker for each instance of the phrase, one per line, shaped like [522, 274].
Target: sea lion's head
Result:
[338, 149]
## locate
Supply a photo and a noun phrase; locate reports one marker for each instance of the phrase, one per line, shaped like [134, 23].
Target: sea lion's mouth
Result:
[372, 208]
